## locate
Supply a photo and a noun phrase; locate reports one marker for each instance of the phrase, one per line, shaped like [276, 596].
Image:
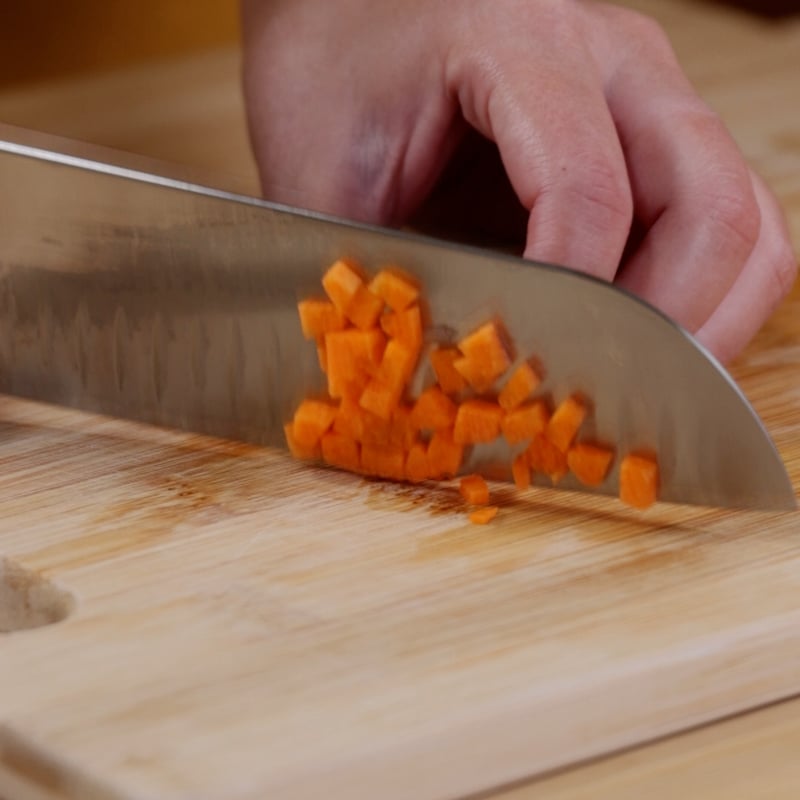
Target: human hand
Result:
[568, 125]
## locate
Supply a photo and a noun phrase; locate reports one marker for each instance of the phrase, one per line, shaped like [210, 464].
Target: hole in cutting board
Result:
[28, 600]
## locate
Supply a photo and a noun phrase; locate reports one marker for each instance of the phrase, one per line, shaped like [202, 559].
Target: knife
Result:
[160, 299]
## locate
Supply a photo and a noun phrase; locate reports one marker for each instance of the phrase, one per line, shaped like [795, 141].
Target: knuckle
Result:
[785, 270]
[730, 208]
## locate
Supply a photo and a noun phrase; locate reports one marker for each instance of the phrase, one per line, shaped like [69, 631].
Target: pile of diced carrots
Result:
[369, 335]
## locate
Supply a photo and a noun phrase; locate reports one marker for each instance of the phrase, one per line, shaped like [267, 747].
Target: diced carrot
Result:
[341, 282]
[318, 317]
[402, 430]
[638, 480]
[364, 309]
[380, 398]
[397, 289]
[418, 467]
[474, 490]
[353, 356]
[405, 326]
[545, 457]
[525, 421]
[350, 419]
[383, 461]
[311, 419]
[565, 422]
[483, 516]
[448, 377]
[589, 462]
[434, 410]
[298, 450]
[444, 455]
[519, 387]
[340, 451]
[521, 470]
[397, 365]
[477, 421]
[486, 357]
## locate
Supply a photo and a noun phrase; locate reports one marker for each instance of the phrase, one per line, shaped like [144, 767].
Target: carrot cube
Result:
[312, 419]
[418, 467]
[545, 457]
[299, 450]
[519, 387]
[638, 480]
[353, 356]
[444, 455]
[380, 398]
[364, 309]
[395, 288]
[521, 471]
[486, 357]
[483, 516]
[474, 490]
[589, 462]
[477, 421]
[397, 365]
[322, 355]
[433, 410]
[341, 282]
[525, 421]
[318, 317]
[448, 377]
[405, 326]
[383, 461]
[340, 451]
[402, 430]
[565, 422]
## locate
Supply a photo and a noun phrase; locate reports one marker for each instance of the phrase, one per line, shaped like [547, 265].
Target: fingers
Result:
[766, 279]
[556, 137]
[691, 186]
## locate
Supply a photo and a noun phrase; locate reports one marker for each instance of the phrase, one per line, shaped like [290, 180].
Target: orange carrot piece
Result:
[525, 421]
[318, 317]
[341, 282]
[434, 410]
[341, 451]
[418, 467]
[444, 455]
[638, 480]
[486, 357]
[397, 365]
[448, 377]
[298, 450]
[566, 421]
[312, 419]
[353, 356]
[364, 309]
[483, 516]
[521, 470]
[380, 398]
[545, 457]
[395, 288]
[405, 326]
[589, 462]
[402, 430]
[383, 461]
[477, 421]
[519, 387]
[474, 489]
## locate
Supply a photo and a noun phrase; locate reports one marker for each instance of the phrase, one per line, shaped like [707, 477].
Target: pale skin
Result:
[566, 125]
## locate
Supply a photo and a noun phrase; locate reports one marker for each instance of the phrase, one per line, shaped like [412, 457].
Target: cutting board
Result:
[234, 624]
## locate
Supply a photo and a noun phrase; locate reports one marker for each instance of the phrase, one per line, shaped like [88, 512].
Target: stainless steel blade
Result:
[132, 294]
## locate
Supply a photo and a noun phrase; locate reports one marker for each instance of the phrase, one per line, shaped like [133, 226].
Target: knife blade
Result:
[133, 294]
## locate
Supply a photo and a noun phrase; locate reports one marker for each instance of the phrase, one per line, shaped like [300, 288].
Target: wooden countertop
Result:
[189, 111]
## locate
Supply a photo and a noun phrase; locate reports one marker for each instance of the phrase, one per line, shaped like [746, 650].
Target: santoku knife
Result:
[162, 300]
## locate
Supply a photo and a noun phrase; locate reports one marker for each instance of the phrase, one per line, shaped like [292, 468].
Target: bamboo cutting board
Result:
[234, 625]
[242, 626]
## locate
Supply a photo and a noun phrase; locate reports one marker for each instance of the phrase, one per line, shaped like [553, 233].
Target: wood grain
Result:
[313, 635]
